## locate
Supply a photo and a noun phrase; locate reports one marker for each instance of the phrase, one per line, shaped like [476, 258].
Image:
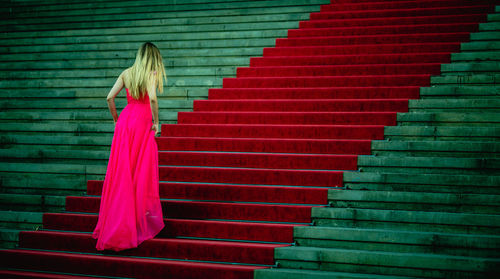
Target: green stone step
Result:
[480, 46]
[462, 149]
[55, 154]
[490, 67]
[429, 165]
[21, 220]
[165, 30]
[398, 241]
[97, 142]
[418, 201]
[386, 263]
[285, 8]
[456, 105]
[407, 220]
[51, 168]
[86, 103]
[172, 21]
[165, 115]
[289, 273]
[477, 79]
[448, 118]
[23, 202]
[485, 36]
[9, 238]
[462, 92]
[493, 17]
[442, 133]
[433, 183]
[170, 53]
[137, 7]
[489, 26]
[488, 55]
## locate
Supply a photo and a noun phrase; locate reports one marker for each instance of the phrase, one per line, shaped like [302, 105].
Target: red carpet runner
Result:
[245, 167]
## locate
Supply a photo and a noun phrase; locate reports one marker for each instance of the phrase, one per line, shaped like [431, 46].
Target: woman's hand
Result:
[155, 127]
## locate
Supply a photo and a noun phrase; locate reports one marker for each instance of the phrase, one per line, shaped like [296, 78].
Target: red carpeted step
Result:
[340, 70]
[401, 92]
[21, 274]
[399, 5]
[200, 250]
[373, 39]
[276, 145]
[210, 210]
[404, 58]
[325, 23]
[247, 231]
[417, 30]
[326, 81]
[246, 193]
[120, 266]
[337, 118]
[252, 176]
[295, 105]
[274, 131]
[259, 160]
[363, 49]
[457, 10]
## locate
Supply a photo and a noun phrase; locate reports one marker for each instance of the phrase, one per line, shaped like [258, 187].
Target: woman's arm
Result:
[117, 87]
[153, 101]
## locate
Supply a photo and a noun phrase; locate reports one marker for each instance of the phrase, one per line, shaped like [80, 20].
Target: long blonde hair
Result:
[147, 61]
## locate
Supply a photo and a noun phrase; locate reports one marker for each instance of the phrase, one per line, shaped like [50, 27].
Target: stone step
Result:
[171, 21]
[487, 55]
[494, 17]
[473, 79]
[86, 103]
[462, 92]
[21, 220]
[462, 149]
[292, 273]
[417, 201]
[485, 36]
[385, 263]
[53, 154]
[167, 30]
[407, 220]
[429, 165]
[489, 26]
[457, 68]
[480, 46]
[132, 47]
[9, 238]
[70, 141]
[44, 203]
[134, 14]
[128, 54]
[467, 245]
[165, 115]
[442, 133]
[420, 118]
[434, 183]
[457, 105]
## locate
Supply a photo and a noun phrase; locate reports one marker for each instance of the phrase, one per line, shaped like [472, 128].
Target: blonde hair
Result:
[148, 60]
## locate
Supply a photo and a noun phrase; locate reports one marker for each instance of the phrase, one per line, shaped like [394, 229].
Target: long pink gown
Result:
[130, 210]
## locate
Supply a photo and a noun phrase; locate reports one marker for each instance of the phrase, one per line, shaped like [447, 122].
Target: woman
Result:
[130, 210]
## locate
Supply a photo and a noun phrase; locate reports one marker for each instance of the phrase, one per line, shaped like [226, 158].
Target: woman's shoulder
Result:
[125, 76]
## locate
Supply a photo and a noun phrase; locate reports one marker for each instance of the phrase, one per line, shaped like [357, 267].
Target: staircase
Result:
[60, 59]
[291, 141]
[426, 203]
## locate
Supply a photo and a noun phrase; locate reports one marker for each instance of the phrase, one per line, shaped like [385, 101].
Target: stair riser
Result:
[380, 39]
[392, 21]
[265, 145]
[184, 228]
[248, 160]
[316, 93]
[351, 60]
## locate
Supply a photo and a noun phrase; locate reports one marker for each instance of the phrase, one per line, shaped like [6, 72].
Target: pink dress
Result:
[130, 210]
